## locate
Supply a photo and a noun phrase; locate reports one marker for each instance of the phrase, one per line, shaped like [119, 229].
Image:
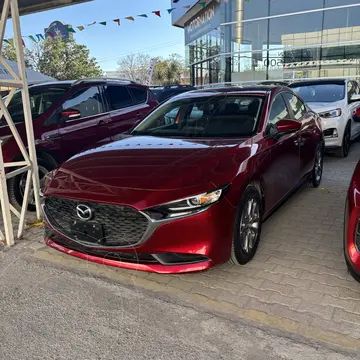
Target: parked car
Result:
[163, 93]
[335, 100]
[69, 116]
[189, 194]
[352, 224]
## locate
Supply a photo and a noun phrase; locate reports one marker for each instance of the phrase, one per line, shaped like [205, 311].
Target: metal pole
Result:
[26, 103]
[268, 43]
[5, 205]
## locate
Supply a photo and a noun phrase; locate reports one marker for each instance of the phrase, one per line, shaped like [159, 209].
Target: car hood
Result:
[320, 107]
[150, 164]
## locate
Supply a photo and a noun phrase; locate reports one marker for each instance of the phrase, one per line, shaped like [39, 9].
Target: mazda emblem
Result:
[84, 212]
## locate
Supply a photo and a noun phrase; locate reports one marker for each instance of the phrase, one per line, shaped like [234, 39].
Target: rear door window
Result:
[139, 95]
[119, 97]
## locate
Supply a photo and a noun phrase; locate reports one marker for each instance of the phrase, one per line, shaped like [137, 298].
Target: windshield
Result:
[217, 116]
[41, 99]
[321, 92]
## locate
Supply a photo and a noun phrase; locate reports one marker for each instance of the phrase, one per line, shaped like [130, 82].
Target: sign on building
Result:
[58, 29]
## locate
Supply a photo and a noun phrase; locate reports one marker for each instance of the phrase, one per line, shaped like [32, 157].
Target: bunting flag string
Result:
[39, 37]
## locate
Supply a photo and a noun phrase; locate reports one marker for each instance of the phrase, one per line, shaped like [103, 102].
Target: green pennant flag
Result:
[203, 4]
[7, 41]
[170, 10]
[143, 15]
[102, 23]
[32, 38]
[71, 30]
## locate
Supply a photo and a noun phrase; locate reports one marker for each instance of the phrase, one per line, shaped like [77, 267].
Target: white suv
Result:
[336, 101]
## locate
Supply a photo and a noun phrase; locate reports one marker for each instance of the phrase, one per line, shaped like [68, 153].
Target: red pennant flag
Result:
[117, 21]
[51, 35]
[157, 13]
[23, 42]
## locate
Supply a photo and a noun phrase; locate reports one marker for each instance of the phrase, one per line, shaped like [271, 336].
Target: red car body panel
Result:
[142, 172]
[352, 218]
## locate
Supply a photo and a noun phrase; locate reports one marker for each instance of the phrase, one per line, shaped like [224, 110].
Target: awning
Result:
[32, 6]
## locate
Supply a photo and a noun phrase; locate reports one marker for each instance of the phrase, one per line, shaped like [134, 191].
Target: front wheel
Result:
[247, 227]
[317, 171]
[16, 186]
[345, 147]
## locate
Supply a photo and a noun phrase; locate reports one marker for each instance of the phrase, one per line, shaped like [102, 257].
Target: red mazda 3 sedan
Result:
[352, 226]
[190, 186]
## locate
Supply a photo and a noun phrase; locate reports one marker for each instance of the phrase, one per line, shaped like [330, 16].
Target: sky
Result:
[153, 35]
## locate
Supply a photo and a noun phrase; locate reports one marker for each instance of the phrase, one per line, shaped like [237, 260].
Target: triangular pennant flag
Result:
[130, 18]
[81, 28]
[203, 4]
[40, 37]
[32, 38]
[50, 34]
[143, 15]
[157, 13]
[92, 23]
[7, 41]
[23, 42]
[102, 23]
[117, 21]
[71, 30]
[170, 10]
[11, 42]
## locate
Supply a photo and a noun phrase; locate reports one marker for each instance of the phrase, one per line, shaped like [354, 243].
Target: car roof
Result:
[229, 90]
[317, 81]
[86, 81]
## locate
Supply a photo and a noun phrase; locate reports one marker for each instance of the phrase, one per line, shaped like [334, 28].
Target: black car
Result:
[163, 93]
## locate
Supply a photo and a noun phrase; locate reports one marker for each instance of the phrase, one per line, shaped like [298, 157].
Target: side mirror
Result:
[288, 126]
[356, 115]
[70, 114]
[354, 98]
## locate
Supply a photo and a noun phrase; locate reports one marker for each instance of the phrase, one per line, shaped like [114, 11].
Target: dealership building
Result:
[246, 40]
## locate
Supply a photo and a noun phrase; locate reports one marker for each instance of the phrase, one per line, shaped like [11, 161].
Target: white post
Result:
[26, 103]
[5, 205]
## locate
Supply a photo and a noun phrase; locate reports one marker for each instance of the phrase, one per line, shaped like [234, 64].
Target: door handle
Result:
[51, 137]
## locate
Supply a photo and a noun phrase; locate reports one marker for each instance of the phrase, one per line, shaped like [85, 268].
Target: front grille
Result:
[132, 257]
[123, 226]
[357, 237]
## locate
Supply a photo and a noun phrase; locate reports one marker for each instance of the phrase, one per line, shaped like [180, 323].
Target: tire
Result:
[317, 171]
[346, 143]
[352, 272]
[246, 235]
[16, 186]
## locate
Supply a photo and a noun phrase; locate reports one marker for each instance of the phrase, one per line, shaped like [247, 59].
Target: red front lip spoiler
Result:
[156, 268]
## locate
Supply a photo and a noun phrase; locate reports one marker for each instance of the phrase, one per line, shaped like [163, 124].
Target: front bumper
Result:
[201, 241]
[332, 142]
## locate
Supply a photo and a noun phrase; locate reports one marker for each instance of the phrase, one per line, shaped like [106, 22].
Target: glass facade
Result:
[277, 39]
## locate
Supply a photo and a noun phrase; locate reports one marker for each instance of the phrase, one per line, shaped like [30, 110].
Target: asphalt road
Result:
[48, 312]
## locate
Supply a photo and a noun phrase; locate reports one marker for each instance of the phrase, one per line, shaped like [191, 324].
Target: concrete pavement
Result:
[49, 312]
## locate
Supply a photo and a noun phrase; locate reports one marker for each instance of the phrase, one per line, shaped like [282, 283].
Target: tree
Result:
[64, 60]
[134, 67]
[167, 71]
[9, 53]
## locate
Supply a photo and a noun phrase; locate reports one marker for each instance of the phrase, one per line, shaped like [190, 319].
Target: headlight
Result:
[187, 206]
[331, 113]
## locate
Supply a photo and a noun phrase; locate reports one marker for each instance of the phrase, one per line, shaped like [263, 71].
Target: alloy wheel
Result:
[318, 165]
[249, 224]
[42, 174]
